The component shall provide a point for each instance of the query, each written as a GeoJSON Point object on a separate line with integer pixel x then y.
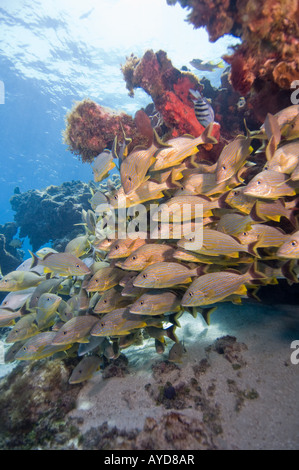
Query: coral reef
{"type": "Point", "coordinates": [10, 253]}
{"type": "Point", "coordinates": [266, 63]}
{"type": "Point", "coordinates": [50, 215]}
{"type": "Point", "coordinates": [91, 128]}
{"type": "Point", "coordinates": [169, 90]}
{"type": "Point", "coordinates": [34, 401]}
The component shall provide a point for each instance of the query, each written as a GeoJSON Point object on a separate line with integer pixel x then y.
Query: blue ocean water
{"type": "Point", "coordinates": [53, 54]}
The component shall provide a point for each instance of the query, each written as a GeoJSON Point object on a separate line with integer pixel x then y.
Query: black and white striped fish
{"type": "Point", "coordinates": [203, 110]}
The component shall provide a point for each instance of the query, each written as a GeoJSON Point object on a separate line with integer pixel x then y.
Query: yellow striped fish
{"type": "Point", "coordinates": [164, 274]}
{"type": "Point", "coordinates": [64, 264]}
{"type": "Point", "coordinates": [290, 248]}
{"type": "Point", "coordinates": [124, 247]}
{"type": "Point", "coordinates": [8, 316]}
{"type": "Point", "coordinates": [39, 347]}
{"type": "Point", "coordinates": [134, 168]}
{"type": "Point", "coordinates": [181, 149]}
{"type": "Point", "coordinates": [102, 164]}
{"type": "Point", "coordinates": [24, 329]}
{"type": "Point", "coordinates": [85, 369]}
{"type": "Point", "coordinates": [110, 300]}
{"type": "Point", "coordinates": [262, 236]}
{"type": "Point", "coordinates": [156, 302]}
{"type": "Point", "coordinates": [19, 280]}
{"type": "Point", "coordinates": [233, 224]}
{"type": "Point", "coordinates": [146, 255]}
{"type": "Point", "coordinates": [232, 158]}
{"type": "Point", "coordinates": [215, 287]}
{"type": "Point", "coordinates": [216, 243]}
{"type": "Point", "coordinates": [184, 208]}
{"type": "Point", "coordinates": [119, 322]}
{"type": "Point", "coordinates": [104, 279]}
{"type": "Point", "coordinates": [75, 330]}
{"type": "Point", "coordinates": [270, 184]}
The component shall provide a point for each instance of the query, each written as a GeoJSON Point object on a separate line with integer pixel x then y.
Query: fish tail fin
{"type": "Point", "coordinates": [35, 259]}
{"type": "Point", "coordinates": [170, 331]}
{"type": "Point", "coordinates": [173, 318]}
{"type": "Point", "coordinates": [207, 137]}
{"type": "Point", "coordinates": [292, 217]}
{"type": "Point", "coordinates": [254, 273]}
{"type": "Point", "coordinates": [252, 248]}
{"type": "Point", "coordinates": [287, 270]}
{"type": "Point", "coordinates": [158, 142]}
{"type": "Point", "coordinates": [206, 314]}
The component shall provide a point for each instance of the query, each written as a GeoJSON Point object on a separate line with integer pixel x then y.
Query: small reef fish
{"type": "Point", "coordinates": [262, 236]}
{"type": "Point", "coordinates": [238, 200]}
{"type": "Point", "coordinates": [156, 302]}
{"type": "Point", "coordinates": [46, 286]}
{"type": "Point", "coordinates": [147, 191]}
{"type": "Point", "coordinates": [148, 254]}
{"type": "Point", "coordinates": [119, 322]}
{"type": "Point", "coordinates": [39, 347]}
{"type": "Point", "coordinates": [94, 343]}
{"type": "Point", "coordinates": [215, 287]}
{"type": "Point", "coordinates": [232, 158]}
{"type": "Point", "coordinates": [160, 333]}
{"type": "Point", "coordinates": [102, 164]}
{"type": "Point", "coordinates": [24, 329]}
{"type": "Point", "coordinates": [85, 369]}
{"type": "Point", "coordinates": [184, 208]}
{"type": "Point", "coordinates": [285, 158]}
{"type": "Point", "coordinates": [8, 316]}
{"type": "Point", "coordinates": [233, 224]}
{"type": "Point", "coordinates": [291, 130]}
{"type": "Point", "coordinates": [176, 352]}
{"type": "Point", "coordinates": [78, 246]}
{"type": "Point", "coordinates": [264, 210]}
{"type": "Point", "coordinates": [203, 110]}
{"type": "Point", "coordinates": [270, 184]}
{"type": "Point", "coordinates": [175, 154]}
{"type": "Point", "coordinates": [75, 330]}
{"type": "Point", "coordinates": [15, 300]}
{"type": "Point", "coordinates": [46, 309]}
{"type": "Point", "coordinates": [134, 168]}
{"type": "Point", "coordinates": [290, 248]}
{"type": "Point", "coordinates": [64, 264]}
{"type": "Point", "coordinates": [209, 66]}
{"type": "Point", "coordinates": [216, 243]}
{"type": "Point", "coordinates": [19, 280]}
{"type": "Point", "coordinates": [104, 279]}
{"type": "Point", "coordinates": [124, 247]}
{"type": "Point", "coordinates": [110, 300]}
{"type": "Point", "coordinates": [164, 274]}
{"type": "Point", "coordinates": [97, 198]}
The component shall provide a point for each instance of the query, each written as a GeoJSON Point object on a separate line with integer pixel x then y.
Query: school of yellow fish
{"type": "Point", "coordinates": [106, 292]}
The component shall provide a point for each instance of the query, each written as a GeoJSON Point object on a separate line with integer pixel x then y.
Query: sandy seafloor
{"type": "Point", "coordinates": [266, 419]}
{"type": "Point", "coordinates": [243, 396]}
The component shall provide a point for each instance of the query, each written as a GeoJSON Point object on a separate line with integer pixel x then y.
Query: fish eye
{"type": "Point", "coordinates": [223, 167]}
{"type": "Point", "coordinates": [102, 324]}
{"type": "Point", "coordinates": [191, 293]}
{"type": "Point", "coordinates": [258, 182]}
{"type": "Point", "coordinates": [245, 233]}
{"type": "Point", "coordinates": [24, 348]}
{"type": "Point", "coordinates": [77, 265]}
{"type": "Point", "coordinates": [144, 276]}
{"type": "Point", "coordinates": [141, 302]}
{"type": "Point", "coordinates": [116, 247]}
{"type": "Point", "coordinates": [235, 193]}
{"type": "Point", "coordinates": [294, 243]}
{"type": "Point", "coordinates": [115, 197]}
{"type": "Point", "coordinates": [104, 301]}
{"type": "Point", "coordinates": [129, 178]}
{"type": "Point", "coordinates": [65, 332]}
{"type": "Point", "coordinates": [134, 257]}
